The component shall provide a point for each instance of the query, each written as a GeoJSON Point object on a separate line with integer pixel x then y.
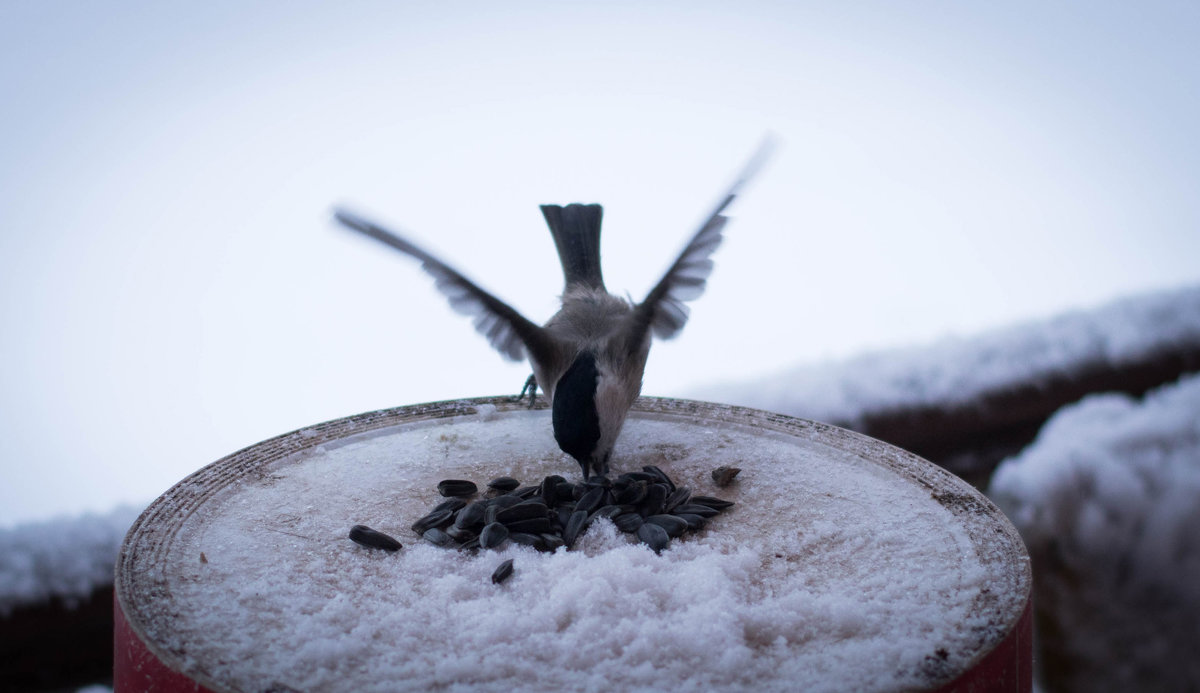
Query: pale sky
{"type": "Point", "coordinates": [174, 290]}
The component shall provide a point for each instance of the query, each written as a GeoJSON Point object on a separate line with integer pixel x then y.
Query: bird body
{"type": "Point", "coordinates": [590, 356]}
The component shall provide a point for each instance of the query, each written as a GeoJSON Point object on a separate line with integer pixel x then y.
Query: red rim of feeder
{"type": "Point", "coordinates": [1004, 651]}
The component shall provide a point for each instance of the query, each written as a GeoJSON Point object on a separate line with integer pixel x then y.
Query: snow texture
{"type": "Point", "coordinates": [65, 558]}
{"type": "Point", "coordinates": [830, 573]}
{"type": "Point", "coordinates": [1108, 501]}
{"type": "Point", "coordinates": [956, 371]}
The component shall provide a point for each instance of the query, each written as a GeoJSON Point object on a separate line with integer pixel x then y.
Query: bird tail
{"type": "Point", "coordinates": [576, 231]}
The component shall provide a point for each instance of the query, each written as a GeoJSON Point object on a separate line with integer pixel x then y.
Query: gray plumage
{"type": "Point", "coordinates": [590, 356]}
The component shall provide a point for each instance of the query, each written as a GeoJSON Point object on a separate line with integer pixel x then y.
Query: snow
{"type": "Point", "coordinates": [957, 371]}
{"type": "Point", "coordinates": [832, 572]}
{"type": "Point", "coordinates": [66, 558]}
{"type": "Point", "coordinates": [1108, 500]}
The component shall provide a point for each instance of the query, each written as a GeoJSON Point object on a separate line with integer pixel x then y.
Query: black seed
{"type": "Point", "coordinates": [551, 542]}
{"type": "Point", "coordinates": [577, 491]}
{"type": "Point", "coordinates": [632, 494]}
{"type": "Point", "coordinates": [677, 498]}
{"type": "Point", "coordinates": [493, 535]}
{"type": "Point", "coordinates": [373, 539]}
{"type": "Point", "coordinates": [652, 504]}
{"type": "Point", "coordinates": [522, 511]}
{"type": "Point", "coordinates": [437, 518]}
{"type": "Point", "coordinates": [609, 511]}
{"type": "Point", "coordinates": [534, 525]}
{"type": "Point", "coordinates": [638, 476]}
{"type": "Point", "coordinates": [437, 537]}
{"type": "Point", "coordinates": [471, 515]}
{"type": "Point", "coordinates": [675, 526]}
{"type": "Point", "coordinates": [505, 501]}
{"type": "Point", "coordinates": [549, 488]}
{"type": "Point", "coordinates": [597, 480]}
{"type": "Point", "coordinates": [711, 502]}
{"type": "Point", "coordinates": [628, 522]}
{"type": "Point", "coordinates": [503, 572]}
{"type": "Point", "coordinates": [525, 539]}
{"type": "Point", "coordinates": [694, 522]}
{"type": "Point", "coordinates": [489, 515]}
{"type": "Point", "coordinates": [662, 476]}
{"type": "Point", "coordinates": [469, 545]}
{"type": "Point", "coordinates": [563, 514]}
{"type": "Point", "coordinates": [591, 500]}
{"type": "Point", "coordinates": [574, 527]}
{"type": "Point", "coordinates": [565, 493]}
{"type": "Point", "coordinates": [653, 536]}
{"type": "Point", "coordinates": [504, 484]}
{"type": "Point", "coordinates": [723, 476]}
{"type": "Point", "coordinates": [525, 492]}
{"type": "Point", "coordinates": [696, 509]}
{"type": "Point", "coordinates": [456, 487]}
{"type": "Point", "coordinates": [460, 534]}
{"type": "Point", "coordinates": [451, 504]}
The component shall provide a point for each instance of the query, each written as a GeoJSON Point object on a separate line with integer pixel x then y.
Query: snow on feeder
{"type": "Point", "coordinates": [845, 564]}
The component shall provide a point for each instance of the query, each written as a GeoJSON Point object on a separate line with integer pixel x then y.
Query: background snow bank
{"type": "Point", "coordinates": [1108, 502]}
{"type": "Point", "coordinates": [66, 558]}
{"type": "Point", "coordinates": [956, 371]}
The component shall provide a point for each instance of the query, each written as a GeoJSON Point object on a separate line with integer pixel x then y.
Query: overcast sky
{"type": "Point", "coordinates": [173, 288]}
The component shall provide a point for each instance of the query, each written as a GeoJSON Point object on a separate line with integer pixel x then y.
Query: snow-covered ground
{"type": "Point", "coordinates": [1108, 501]}
{"type": "Point", "coordinates": [956, 371]}
{"type": "Point", "coordinates": [65, 557]}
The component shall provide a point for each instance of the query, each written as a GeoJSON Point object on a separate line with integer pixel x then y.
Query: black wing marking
{"type": "Point", "coordinates": [663, 310]}
{"type": "Point", "coordinates": [506, 329]}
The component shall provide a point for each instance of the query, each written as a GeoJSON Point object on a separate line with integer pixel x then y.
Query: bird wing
{"type": "Point", "coordinates": [663, 309]}
{"type": "Point", "coordinates": [506, 330]}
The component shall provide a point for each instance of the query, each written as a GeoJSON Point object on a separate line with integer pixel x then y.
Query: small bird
{"type": "Point", "coordinates": [591, 355]}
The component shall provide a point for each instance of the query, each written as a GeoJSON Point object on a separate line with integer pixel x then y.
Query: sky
{"type": "Point", "coordinates": [173, 288]}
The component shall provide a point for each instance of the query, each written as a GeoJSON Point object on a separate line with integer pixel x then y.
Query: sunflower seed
{"type": "Point", "coordinates": [631, 494]}
{"type": "Point", "coordinates": [694, 522]}
{"type": "Point", "coordinates": [574, 527]}
{"type": "Point", "coordinates": [524, 539]}
{"type": "Point", "coordinates": [652, 504]}
{"type": "Point", "coordinates": [534, 525]}
{"type": "Point", "coordinates": [503, 572]}
{"type": "Point", "coordinates": [460, 534]}
{"type": "Point", "coordinates": [591, 500]}
{"type": "Point", "coordinates": [696, 509]}
{"type": "Point", "coordinates": [506, 501]}
{"type": "Point", "coordinates": [677, 498]}
{"type": "Point", "coordinates": [522, 511]}
{"type": "Point", "coordinates": [437, 537]}
{"type": "Point", "coordinates": [457, 487]}
{"type": "Point", "coordinates": [471, 515]}
{"type": "Point", "coordinates": [437, 518]}
{"type": "Point", "coordinates": [609, 511]}
{"type": "Point", "coordinates": [653, 536]}
{"type": "Point", "coordinates": [662, 476]}
{"type": "Point", "coordinates": [493, 535]}
{"type": "Point", "coordinates": [628, 522]}
{"type": "Point", "coordinates": [373, 539]}
{"type": "Point", "coordinates": [451, 504]}
{"type": "Point", "coordinates": [712, 502]}
{"type": "Point", "coordinates": [674, 525]}
{"type": "Point", "coordinates": [504, 484]}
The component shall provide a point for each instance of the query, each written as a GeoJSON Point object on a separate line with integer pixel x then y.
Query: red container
{"type": "Point", "coordinates": [231, 580]}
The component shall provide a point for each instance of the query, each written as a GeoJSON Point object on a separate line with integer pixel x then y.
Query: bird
{"type": "Point", "coordinates": [590, 357]}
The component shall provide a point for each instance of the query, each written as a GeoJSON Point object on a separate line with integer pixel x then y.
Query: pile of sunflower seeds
{"type": "Point", "coordinates": [557, 512]}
